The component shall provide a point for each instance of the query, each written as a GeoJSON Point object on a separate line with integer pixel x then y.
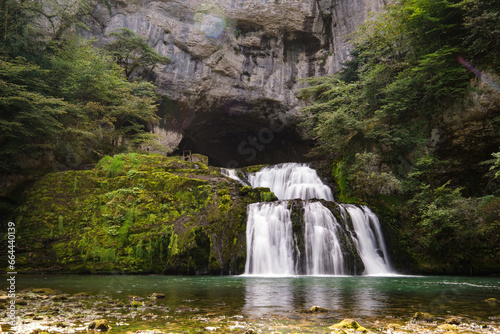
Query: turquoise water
{"type": "Point", "coordinates": [259, 296]}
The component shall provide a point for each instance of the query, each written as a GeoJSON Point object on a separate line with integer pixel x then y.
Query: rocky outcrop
{"type": "Point", "coordinates": [135, 213]}
{"type": "Point", "coordinates": [467, 134]}
{"type": "Point", "coordinates": [236, 67]}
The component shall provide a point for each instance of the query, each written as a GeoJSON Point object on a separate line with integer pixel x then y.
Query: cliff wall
{"type": "Point", "coordinates": [236, 67]}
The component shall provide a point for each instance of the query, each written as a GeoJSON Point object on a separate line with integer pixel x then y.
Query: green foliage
{"type": "Point", "coordinates": [495, 164]}
{"type": "Point", "coordinates": [446, 219]}
{"type": "Point", "coordinates": [406, 71]}
{"type": "Point", "coordinates": [134, 53]}
{"type": "Point", "coordinates": [79, 109]}
{"type": "Point", "coordinates": [368, 178]}
{"type": "Point", "coordinates": [403, 70]}
{"type": "Point", "coordinates": [66, 99]}
{"type": "Point", "coordinates": [30, 121]}
{"type": "Point", "coordinates": [30, 27]}
{"type": "Point", "coordinates": [482, 22]}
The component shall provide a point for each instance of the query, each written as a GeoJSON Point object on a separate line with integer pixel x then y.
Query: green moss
{"type": "Point", "coordinates": [135, 213]}
{"type": "Point", "coordinates": [253, 169]}
{"type": "Point", "coordinates": [268, 196]}
{"type": "Point", "coordinates": [346, 324]}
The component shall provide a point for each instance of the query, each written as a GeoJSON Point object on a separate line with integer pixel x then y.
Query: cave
{"type": "Point", "coordinates": [234, 139]}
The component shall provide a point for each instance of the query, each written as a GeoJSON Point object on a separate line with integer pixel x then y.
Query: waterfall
{"type": "Point", "coordinates": [317, 245]}
{"type": "Point", "coordinates": [290, 181]}
{"type": "Point", "coordinates": [369, 240]}
{"type": "Point", "coordinates": [323, 250]}
{"type": "Point", "coordinates": [269, 239]}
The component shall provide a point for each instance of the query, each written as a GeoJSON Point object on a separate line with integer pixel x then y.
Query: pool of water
{"type": "Point", "coordinates": [262, 299]}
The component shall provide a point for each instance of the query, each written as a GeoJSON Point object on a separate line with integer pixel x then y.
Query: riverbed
{"type": "Point", "coordinates": [242, 304]}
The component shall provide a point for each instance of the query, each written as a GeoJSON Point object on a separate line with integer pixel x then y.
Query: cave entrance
{"type": "Point", "coordinates": [239, 142]}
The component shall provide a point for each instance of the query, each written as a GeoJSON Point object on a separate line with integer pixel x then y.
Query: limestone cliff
{"type": "Point", "coordinates": [236, 67]}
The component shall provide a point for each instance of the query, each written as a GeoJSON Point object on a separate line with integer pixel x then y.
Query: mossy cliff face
{"type": "Point", "coordinates": [136, 214]}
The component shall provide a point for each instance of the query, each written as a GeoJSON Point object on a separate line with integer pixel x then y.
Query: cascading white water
{"type": "Point", "coordinates": [232, 174]}
{"type": "Point", "coordinates": [269, 239]}
{"type": "Point", "coordinates": [271, 246]}
{"type": "Point", "coordinates": [323, 250]}
{"type": "Point", "coordinates": [290, 181]}
{"type": "Point", "coordinates": [369, 240]}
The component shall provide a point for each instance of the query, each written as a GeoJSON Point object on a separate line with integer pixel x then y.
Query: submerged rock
{"type": "Point", "coordinates": [318, 309]}
{"type": "Point", "coordinates": [44, 291]}
{"type": "Point", "coordinates": [157, 295]}
{"type": "Point", "coordinates": [422, 316]}
{"type": "Point", "coordinates": [453, 321]}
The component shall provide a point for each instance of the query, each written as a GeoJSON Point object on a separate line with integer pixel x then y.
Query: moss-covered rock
{"type": "Point", "coordinates": [136, 213]}
{"type": "Point", "coordinates": [423, 316]}
{"type": "Point", "coordinates": [101, 325]}
{"type": "Point", "coordinates": [348, 324]}
{"type": "Point", "coordinates": [318, 309]}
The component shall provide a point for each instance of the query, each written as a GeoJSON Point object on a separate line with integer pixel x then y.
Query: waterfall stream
{"type": "Point", "coordinates": [318, 244]}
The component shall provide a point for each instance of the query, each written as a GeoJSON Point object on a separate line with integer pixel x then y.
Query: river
{"type": "Point", "coordinates": [229, 303]}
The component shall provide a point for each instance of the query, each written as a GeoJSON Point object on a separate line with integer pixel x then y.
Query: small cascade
{"type": "Point", "coordinates": [369, 240]}
{"type": "Point", "coordinates": [269, 239]}
{"type": "Point", "coordinates": [232, 174]}
{"type": "Point", "coordinates": [318, 244]}
{"type": "Point", "coordinates": [324, 254]}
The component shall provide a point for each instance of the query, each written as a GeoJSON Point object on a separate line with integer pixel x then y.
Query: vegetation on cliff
{"type": "Point", "coordinates": [409, 123]}
{"type": "Point", "coordinates": [65, 102]}
{"type": "Point", "coordinates": [136, 213]}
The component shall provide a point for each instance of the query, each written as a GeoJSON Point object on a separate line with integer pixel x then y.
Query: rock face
{"type": "Point", "coordinates": [236, 67]}
{"type": "Point", "coordinates": [468, 134]}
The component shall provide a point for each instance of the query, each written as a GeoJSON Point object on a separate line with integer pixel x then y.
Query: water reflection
{"type": "Point", "coordinates": [344, 295]}
{"type": "Point", "coordinates": [268, 295]}
{"type": "Point", "coordinates": [255, 297]}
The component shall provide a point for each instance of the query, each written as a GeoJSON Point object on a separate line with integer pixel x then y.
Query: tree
{"type": "Point", "coordinates": [112, 112]}
{"type": "Point", "coordinates": [30, 121]}
{"type": "Point", "coordinates": [134, 53]}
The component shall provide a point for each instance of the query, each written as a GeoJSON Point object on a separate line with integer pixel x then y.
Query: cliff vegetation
{"type": "Point", "coordinates": [410, 126]}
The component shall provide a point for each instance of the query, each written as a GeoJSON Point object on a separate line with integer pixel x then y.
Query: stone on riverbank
{"type": "Point", "coordinates": [99, 325]}
{"type": "Point", "coordinates": [448, 327]}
